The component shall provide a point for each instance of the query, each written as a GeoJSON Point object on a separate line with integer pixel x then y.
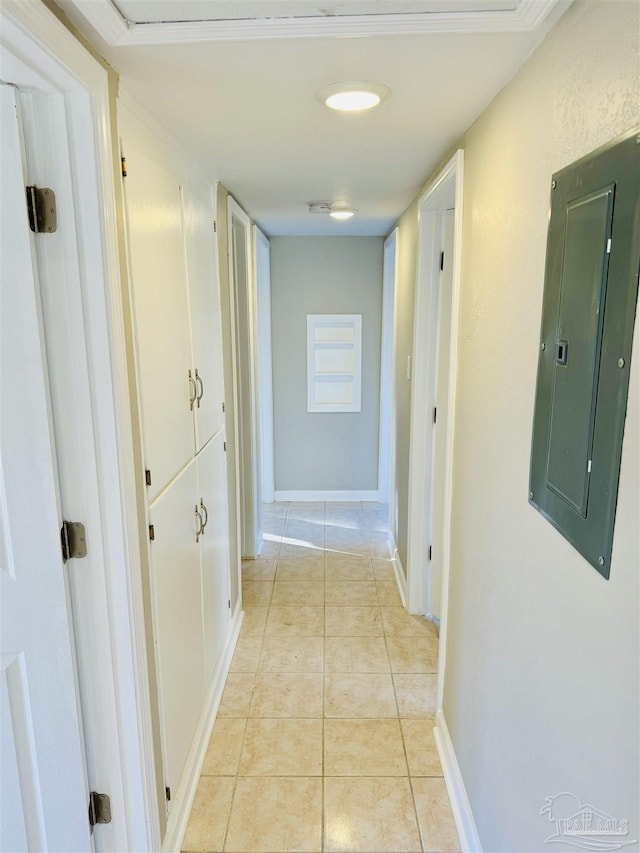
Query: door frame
{"type": "Point", "coordinates": [387, 433]}
{"type": "Point", "coordinates": [265, 367]}
{"type": "Point", "coordinates": [247, 458]}
{"type": "Point", "coordinates": [39, 52]}
{"type": "Point", "coordinates": [436, 199]}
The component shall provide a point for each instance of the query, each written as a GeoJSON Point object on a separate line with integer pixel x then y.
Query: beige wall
{"type": "Point", "coordinates": [541, 692]}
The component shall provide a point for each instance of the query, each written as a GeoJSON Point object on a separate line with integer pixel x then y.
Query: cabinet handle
{"type": "Point", "coordinates": [193, 391]}
{"type": "Point", "coordinates": [201, 383]}
{"type": "Point", "coordinates": [200, 527]}
{"type": "Point", "coordinates": [206, 514]}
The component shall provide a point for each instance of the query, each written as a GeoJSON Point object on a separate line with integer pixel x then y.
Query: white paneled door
{"type": "Point", "coordinates": [177, 602]}
{"type": "Point", "coordinates": [206, 329]}
{"type": "Point", "coordinates": [156, 250]}
{"type": "Point", "coordinates": [214, 550]}
{"type": "Point", "coordinates": [44, 792]}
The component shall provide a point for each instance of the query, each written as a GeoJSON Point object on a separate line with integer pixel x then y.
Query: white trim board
{"type": "Point", "coordinates": [103, 16]}
{"type": "Point", "coordinates": [386, 433]}
{"type": "Point", "coordinates": [262, 273]}
{"type": "Point", "coordinates": [460, 806]}
{"type": "Point", "coordinates": [315, 496]}
{"type": "Point", "coordinates": [398, 569]}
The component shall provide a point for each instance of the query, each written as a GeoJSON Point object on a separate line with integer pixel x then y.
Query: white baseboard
{"type": "Point", "coordinates": [401, 579]}
{"type": "Point", "coordinates": [460, 806]}
{"type": "Point", "coordinates": [311, 495]}
{"type": "Point", "coordinates": [184, 796]}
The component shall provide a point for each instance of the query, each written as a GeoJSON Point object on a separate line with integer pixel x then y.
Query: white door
{"type": "Point", "coordinates": [44, 793]}
{"type": "Point", "coordinates": [177, 613]}
{"type": "Point", "coordinates": [206, 328]}
{"type": "Point", "coordinates": [156, 250]}
{"type": "Point", "coordinates": [214, 551]}
{"type": "Point", "coordinates": [442, 404]}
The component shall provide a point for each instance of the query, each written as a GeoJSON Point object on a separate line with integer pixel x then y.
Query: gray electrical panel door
{"type": "Point", "coordinates": [591, 286]}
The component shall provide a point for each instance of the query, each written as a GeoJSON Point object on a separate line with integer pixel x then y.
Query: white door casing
{"type": "Point", "coordinates": [262, 254]}
{"type": "Point", "coordinates": [386, 437]}
{"type": "Point", "coordinates": [59, 75]}
{"type": "Point", "coordinates": [243, 328]}
{"type": "Point", "coordinates": [44, 791]}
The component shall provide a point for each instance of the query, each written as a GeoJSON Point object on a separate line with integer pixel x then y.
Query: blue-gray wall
{"type": "Point", "coordinates": [324, 275]}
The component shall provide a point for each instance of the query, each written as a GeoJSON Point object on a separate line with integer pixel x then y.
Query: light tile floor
{"type": "Point", "coordinates": [324, 735]}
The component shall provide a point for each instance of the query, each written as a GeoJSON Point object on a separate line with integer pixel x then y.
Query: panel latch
{"type": "Point", "coordinates": [562, 349]}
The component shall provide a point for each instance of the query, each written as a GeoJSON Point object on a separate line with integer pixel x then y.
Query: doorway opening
{"type": "Point", "coordinates": [434, 398]}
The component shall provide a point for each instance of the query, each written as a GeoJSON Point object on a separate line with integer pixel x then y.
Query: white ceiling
{"type": "Point", "coordinates": [246, 107]}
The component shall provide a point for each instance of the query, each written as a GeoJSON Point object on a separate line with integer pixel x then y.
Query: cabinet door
{"type": "Point", "coordinates": [177, 613]}
{"type": "Point", "coordinates": [214, 543]}
{"type": "Point", "coordinates": [156, 249]}
{"type": "Point", "coordinates": [206, 326]}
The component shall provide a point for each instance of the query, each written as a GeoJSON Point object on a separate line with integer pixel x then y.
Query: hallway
{"type": "Point", "coordinates": [323, 739]}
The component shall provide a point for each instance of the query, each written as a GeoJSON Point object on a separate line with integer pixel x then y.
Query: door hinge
{"type": "Point", "coordinates": [223, 407]}
{"type": "Point", "coordinates": [123, 164]}
{"type": "Point", "coordinates": [441, 260]}
{"type": "Point", "coordinates": [99, 809]}
{"type": "Point", "coordinates": [74, 540]}
{"type": "Point", "coordinates": [215, 226]}
{"type": "Point", "coordinates": [152, 532]}
{"type": "Point", "coordinates": [224, 445]}
{"type": "Point", "coordinates": [229, 604]}
{"type": "Point", "coordinates": [435, 414]}
{"type": "Point", "coordinates": [41, 206]}
{"type": "Point", "coordinates": [147, 476]}
{"type": "Point", "coordinates": [430, 552]}
{"type": "Point", "coordinates": [167, 793]}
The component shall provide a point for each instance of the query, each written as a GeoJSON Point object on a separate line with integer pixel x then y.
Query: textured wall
{"type": "Point", "coordinates": [541, 691]}
{"type": "Point", "coordinates": [324, 275]}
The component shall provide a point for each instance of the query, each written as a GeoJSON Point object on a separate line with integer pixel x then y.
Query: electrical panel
{"type": "Point", "coordinates": [589, 306]}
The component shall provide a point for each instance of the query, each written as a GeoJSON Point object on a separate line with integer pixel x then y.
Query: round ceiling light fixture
{"type": "Point", "coordinates": [353, 95]}
{"type": "Point", "coordinates": [342, 214]}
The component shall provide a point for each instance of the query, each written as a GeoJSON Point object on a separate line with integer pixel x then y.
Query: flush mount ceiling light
{"type": "Point", "coordinates": [353, 95]}
{"type": "Point", "coordinates": [328, 207]}
{"type": "Point", "coordinates": [342, 214]}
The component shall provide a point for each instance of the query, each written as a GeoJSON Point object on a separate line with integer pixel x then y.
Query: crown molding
{"type": "Point", "coordinates": [106, 20]}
